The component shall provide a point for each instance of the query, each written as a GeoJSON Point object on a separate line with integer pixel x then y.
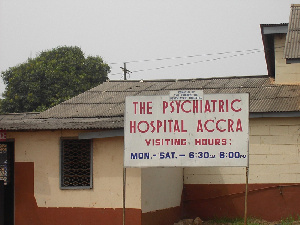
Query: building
{"type": "Point", "coordinates": [65, 165]}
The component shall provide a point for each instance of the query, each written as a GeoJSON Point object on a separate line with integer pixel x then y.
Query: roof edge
{"type": "Point", "coordinates": [191, 79]}
{"type": "Point", "coordinates": [274, 114]}
{"type": "Point", "coordinates": [274, 28]}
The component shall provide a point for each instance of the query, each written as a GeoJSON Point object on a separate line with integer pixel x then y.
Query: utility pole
{"type": "Point", "coordinates": [125, 71]}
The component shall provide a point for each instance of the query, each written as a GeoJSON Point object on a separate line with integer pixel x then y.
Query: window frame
{"type": "Point", "coordinates": [61, 165]}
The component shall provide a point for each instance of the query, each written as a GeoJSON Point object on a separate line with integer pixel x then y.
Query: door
{"type": "Point", "coordinates": [7, 183]}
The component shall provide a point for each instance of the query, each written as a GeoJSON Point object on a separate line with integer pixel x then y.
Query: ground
{"type": "Point", "coordinates": [250, 221]}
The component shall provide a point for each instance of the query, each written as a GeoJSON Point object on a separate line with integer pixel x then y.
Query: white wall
{"type": "Point", "coordinates": [161, 188]}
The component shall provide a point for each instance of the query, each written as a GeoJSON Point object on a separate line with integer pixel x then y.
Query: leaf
{"type": "Point", "coordinates": [52, 77]}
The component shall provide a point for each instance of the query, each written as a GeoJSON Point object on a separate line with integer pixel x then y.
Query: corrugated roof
{"type": "Point", "coordinates": [292, 45]}
{"type": "Point", "coordinates": [103, 106]}
{"type": "Point", "coordinates": [27, 123]}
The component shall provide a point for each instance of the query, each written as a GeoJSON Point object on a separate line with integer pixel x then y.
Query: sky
{"type": "Point", "coordinates": [158, 39]}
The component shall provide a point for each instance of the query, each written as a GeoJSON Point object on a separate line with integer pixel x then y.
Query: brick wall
{"type": "Point", "coordinates": [274, 156]}
{"type": "Point", "coordinates": [274, 177]}
{"type": "Point", "coordinates": [284, 73]}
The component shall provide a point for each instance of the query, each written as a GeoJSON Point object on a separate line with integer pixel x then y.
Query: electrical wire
{"type": "Point", "coordinates": [189, 56]}
{"type": "Point", "coordinates": [247, 52]}
{"type": "Point", "coordinates": [184, 64]}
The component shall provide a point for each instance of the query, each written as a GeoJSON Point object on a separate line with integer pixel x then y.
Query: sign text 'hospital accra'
{"type": "Point", "coordinates": [207, 131]}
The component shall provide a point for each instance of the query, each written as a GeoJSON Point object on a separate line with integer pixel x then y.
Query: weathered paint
{"type": "Point", "coordinates": [39, 198]}
{"type": "Point", "coordinates": [274, 180]}
{"type": "Point", "coordinates": [207, 192]}
{"type": "Point", "coordinates": [42, 148]}
{"type": "Point", "coordinates": [267, 201]}
{"type": "Point", "coordinates": [26, 209]}
{"type": "Point", "coordinates": [89, 216]}
{"type": "Point", "coordinates": [162, 217]}
{"type": "Point", "coordinates": [28, 212]}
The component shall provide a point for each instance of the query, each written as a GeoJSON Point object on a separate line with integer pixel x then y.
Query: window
{"type": "Point", "coordinates": [3, 164]}
{"type": "Point", "coordinates": [76, 164]}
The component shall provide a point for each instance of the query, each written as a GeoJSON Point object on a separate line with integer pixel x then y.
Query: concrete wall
{"type": "Point", "coordinates": [158, 195]}
{"type": "Point", "coordinates": [274, 178]}
{"type": "Point", "coordinates": [161, 188]}
{"type": "Point", "coordinates": [284, 73]}
{"type": "Point", "coordinates": [41, 149]}
{"type": "Point", "coordinates": [274, 156]}
{"type": "Point", "coordinates": [161, 195]}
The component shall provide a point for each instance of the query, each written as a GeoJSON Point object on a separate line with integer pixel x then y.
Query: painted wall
{"type": "Point", "coordinates": [284, 73]}
{"type": "Point", "coordinates": [155, 196]}
{"type": "Point", "coordinates": [273, 176]}
{"type": "Point", "coordinates": [41, 149]}
{"type": "Point", "coordinates": [274, 156]}
{"type": "Point", "coordinates": [161, 188]}
{"type": "Point", "coordinates": [161, 195]}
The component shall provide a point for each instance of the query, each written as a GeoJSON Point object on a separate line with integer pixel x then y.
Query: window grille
{"type": "Point", "coordinates": [76, 164]}
{"type": "Point", "coordinates": [4, 164]}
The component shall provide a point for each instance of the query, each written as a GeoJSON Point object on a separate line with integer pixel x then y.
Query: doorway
{"type": "Point", "coordinates": [7, 183]}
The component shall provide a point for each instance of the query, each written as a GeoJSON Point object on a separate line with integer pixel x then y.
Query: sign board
{"type": "Point", "coordinates": [186, 95]}
{"type": "Point", "coordinates": [210, 130]}
{"type": "Point", "coordinates": [2, 135]}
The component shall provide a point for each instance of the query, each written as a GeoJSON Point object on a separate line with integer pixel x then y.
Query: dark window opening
{"type": "Point", "coordinates": [76, 164]}
{"type": "Point", "coordinates": [4, 169]}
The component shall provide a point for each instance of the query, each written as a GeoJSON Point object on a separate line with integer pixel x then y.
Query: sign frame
{"type": "Point", "coordinates": [217, 111]}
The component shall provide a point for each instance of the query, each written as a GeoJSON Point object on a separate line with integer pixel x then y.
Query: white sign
{"type": "Point", "coordinates": [212, 131]}
{"type": "Point", "coordinates": [186, 95]}
{"type": "Point", "coordinates": [2, 135]}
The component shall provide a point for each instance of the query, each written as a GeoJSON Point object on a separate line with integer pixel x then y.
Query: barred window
{"type": "Point", "coordinates": [4, 170]}
{"type": "Point", "coordinates": [76, 164]}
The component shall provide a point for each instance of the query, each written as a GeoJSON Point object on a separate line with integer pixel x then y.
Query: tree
{"type": "Point", "coordinates": [52, 77]}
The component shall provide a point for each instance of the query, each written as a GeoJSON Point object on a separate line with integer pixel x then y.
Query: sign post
{"type": "Point", "coordinates": [124, 194]}
{"type": "Point", "coordinates": [187, 129]}
{"type": "Point", "coordinates": [212, 131]}
{"type": "Point", "coordinates": [246, 196]}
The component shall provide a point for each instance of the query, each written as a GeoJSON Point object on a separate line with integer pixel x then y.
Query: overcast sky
{"type": "Point", "coordinates": [136, 30]}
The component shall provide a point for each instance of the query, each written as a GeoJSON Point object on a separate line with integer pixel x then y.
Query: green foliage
{"type": "Point", "coordinates": [253, 221]}
{"type": "Point", "coordinates": [50, 78]}
{"type": "Point", "coordinates": [289, 220]}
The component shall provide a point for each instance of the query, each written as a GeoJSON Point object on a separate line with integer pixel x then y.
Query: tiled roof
{"type": "Point", "coordinates": [103, 106]}
{"type": "Point", "coordinates": [292, 45]}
